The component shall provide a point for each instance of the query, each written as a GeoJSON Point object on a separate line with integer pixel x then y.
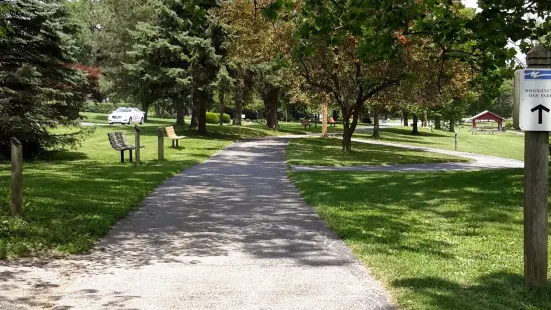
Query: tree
{"type": "Point", "coordinates": [38, 86]}
{"type": "Point", "coordinates": [115, 23]}
{"type": "Point", "coordinates": [256, 52]}
{"type": "Point", "coordinates": [224, 84]}
{"type": "Point", "coordinates": [503, 103]}
{"type": "Point", "coordinates": [178, 55]}
{"type": "Point", "coordinates": [91, 88]}
{"type": "Point", "coordinates": [82, 14]}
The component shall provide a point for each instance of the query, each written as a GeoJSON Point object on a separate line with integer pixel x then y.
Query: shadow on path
{"type": "Point", "coordinates": [231, 233]}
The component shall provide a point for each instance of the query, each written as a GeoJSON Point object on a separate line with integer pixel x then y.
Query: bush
{"type": "Point", "coordinates": [96, 107]}
{"type": "Point", "coordinates": [227, 118]}
{"type": "Point", "coordinates": [213, 118]}
{"type": "Point", "coordinates": [509, 125]}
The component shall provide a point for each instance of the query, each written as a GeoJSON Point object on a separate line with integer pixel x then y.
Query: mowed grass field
{"type": "Point", "coordinates": [445, 240]}
{"type": "Point", "coordinates": [328, 152]}
{"type": "Point", "coordinates": [503, 144]}
{"type": "Point", "coordinates": [72, 198]}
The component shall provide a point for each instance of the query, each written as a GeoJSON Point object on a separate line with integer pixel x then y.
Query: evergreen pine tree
{"type": "Point", "coordinates": [179, 55]}
{"type": "Point", "coordinates": [37, 84]}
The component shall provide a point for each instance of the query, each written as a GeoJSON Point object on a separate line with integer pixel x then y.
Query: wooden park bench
{"type": "Point", "coordinates": [173, 136]}
{"type": "Point", "coordinates": [305, 123]}
{"type": "Point", "coordinates": [331, 122]}
{"type": "Point", "coordinates": [120, 143]}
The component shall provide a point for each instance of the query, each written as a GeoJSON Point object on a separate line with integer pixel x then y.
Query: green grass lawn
{"type": "Point", "coordinates": [72, 198]}
{"type": "Point", "coordinates": [506, 145]}
{"type": "Point", "coordinates": [328, 152]}
{"type": "Point", "coordinates": [448, 240]}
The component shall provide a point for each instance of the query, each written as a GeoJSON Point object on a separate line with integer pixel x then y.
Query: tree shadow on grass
{"type": "Point", "coordinates": [437, 219]}
{"type": "Point", "coordinates": [498, 290]}
{"type": "Point", "coordinates": [64, 155]}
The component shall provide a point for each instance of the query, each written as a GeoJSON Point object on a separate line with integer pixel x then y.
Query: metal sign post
{"type": "Point", "coordinates": [532, 114]}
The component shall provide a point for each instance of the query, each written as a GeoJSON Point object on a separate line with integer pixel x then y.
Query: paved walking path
{"type": "Point", "coordinates": [231, 233]}
{"type": "Point", "coordinates": [480, 162]}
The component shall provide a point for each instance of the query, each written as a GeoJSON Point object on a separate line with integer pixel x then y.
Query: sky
{"type": "Point", "coordinates": [471, 3]}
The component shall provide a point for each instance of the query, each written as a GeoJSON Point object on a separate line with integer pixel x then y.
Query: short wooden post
{"type": "Point", "coordinates": [456, 142]}
{"type": "Point", "coordinates": [536, 174]}
{"type": "Point", "coordinates": [161, 144]}
{"type": "Point", "coordinates": [16, 176]}
{"type": "Point", "coordinates": [138, 145]}
{"type": "Point", "coordinates": [324, 120]}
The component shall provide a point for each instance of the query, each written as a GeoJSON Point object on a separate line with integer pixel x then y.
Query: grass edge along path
{"type": "Point", "coordinates": [328, 152]}
{"type": "Point", "coordinates": [447, 240]}
{"type": "Point", "coordinates": [74, 197]}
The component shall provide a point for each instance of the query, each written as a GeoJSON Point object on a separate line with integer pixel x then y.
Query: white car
{"type": "Point", "coordinates": [126, 116]}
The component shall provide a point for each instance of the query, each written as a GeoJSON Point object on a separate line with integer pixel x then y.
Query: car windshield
{"type": "Point", "coordinates": [123, 110]}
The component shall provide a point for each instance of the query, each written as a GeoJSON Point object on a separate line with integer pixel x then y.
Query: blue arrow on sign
{"type": "Point", "coordinates": [538, 74]}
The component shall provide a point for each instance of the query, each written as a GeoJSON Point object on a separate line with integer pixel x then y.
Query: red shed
{"type": "Point", "coordinates": [488, 116]}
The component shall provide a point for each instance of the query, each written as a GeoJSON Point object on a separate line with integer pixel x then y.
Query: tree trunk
{"type": "Point", "coordinates": [194, 122]}
{"type": "Point", "coordinates": [349, 128]}
{"type": "Point", "coordinates": [376, 132]}
{"type": "Point", "coordinates": [158, 111]}
{"type": "Point", "coordinates": [415, 130]}
{"type": "Point", "coordinates": [238, 103]}
{"type": "Point", "coordinates": [221, 101]}
{"type": "Point", "coordinates": [145, 108]}
{"type": "Point", "coordinates": [271, 98]}
{"type": "Point", "coordinates": [203, 96]}
{"type": "Point", "coordinates": [324, 120]}
{"type": "Point", "coordinates": [425, 121]}
{"type": "Point", "coordinates": [452, 126]}
{"type": "Point", "coordinates": [438, 122]}
{"type": "Point", "coordinates": [180, 113]}
{"type": "Point", "coordinates": [405, 115]}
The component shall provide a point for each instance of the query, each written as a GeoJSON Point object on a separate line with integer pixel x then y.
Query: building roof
{"type": "Point", "coordinates": [482, 114]}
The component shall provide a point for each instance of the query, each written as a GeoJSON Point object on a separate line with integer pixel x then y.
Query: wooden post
{"type": "Point", "coordinates": [161, 144]}
{"type": "Point", "coordinates": [324, 120]}
{"type": "Point", "coordinates": [456, 141]}
{"type": "Point", "coordinates": [536, 174]}
{"type": "Point", "coordinates": [137, 136]}
{"type": "Point", "coordinates": [16, 177]}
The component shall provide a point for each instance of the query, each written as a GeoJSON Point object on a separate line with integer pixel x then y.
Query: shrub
{"type": "Point", "coordinates": [96, 107]}
{"type": "Point", "coordinates": [227, 118]}
{"type": "Point", "coordinates": [5, 201]}
{"type": "Point", "coordinates": [213, 118]}
{"type": "Point", "coordinates": [509, 125]}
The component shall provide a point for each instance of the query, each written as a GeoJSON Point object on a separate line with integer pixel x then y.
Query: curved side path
{"type": "Point", "coordinates": [231, 233]}
{"type": "Point", "coordinates": [481, 162]}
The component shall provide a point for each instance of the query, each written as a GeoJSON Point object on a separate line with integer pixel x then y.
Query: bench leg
{"type": "Point", "coordinates": [172, 143]}
{"type": "Point", "coordinates": [177, 143]}
{"type": "Point", "coordinates": [122, 156]}
{"type": "Point", "coordinates": [130, 155]}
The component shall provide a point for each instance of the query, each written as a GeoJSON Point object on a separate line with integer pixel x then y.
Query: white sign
{"type": "Point", "coordinates": [535, 99]}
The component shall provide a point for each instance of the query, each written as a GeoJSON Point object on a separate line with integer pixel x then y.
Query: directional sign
{"type": "Point", "coordinates": [533, 87]}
